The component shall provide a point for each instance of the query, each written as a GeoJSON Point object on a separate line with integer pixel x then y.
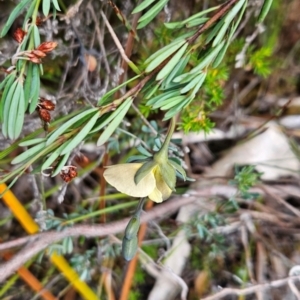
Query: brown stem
{"type": "Point", "coordinates": [220, 13]}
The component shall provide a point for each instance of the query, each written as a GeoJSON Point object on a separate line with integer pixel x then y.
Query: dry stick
{"type": "Point", "coordinates": [132, 265]}
{"type": "Point", "coordinates": [251, 289]}
{"type": "Point", "coordinates": [115, 38]}
{"type": "Point", "coordinates": [100, 230]}
{"type": "Point", "coordinates": [220, 13]}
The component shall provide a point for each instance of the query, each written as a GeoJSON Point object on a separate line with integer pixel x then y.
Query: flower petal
{"type": "Point", "coordinates": [162, 186]}
{"type": "Point", "coordinates": [122, 178]}
{"type": "Point", "coordinates": [156, 196]}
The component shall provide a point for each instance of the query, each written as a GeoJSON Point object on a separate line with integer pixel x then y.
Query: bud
{"type": "Point", "coordinates": [46, 104]}
{"type": "Point", "coordinates": [46, 46]}
{"type": "Point", "coordinates": [19, 34]}
{"type": "Point", "coordinates": [44, 115]}
{"type": "Point", "coordinates": [38, 53]}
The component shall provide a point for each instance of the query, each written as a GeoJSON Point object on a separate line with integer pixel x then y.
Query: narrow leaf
{"type": "Point", "coordinates": [151, 13]}
{"type": "Point", "coordinates": [172, 102]}
{"type": "Point", "coordinates": [35, 88]}
{"type": "Point", "coordinates": [61, 164]}
{"type": "Point", "coordinates": [264, 10]}
{"type": "Point", "coordinates": [46, 7]}
{"type": "Point", "coordinates": [29, 153]}
{"type": "Point", "coordinates": [193, 83]}
{"type": "Point", "coordinates": [158, 60]}
{"type": "Point", "coordinates": [6, 108]}
{"type": "Point", "coordinates": [162, 97]}
{"type": "Point", "coordinates": [55, 134]}
{"type": "Point", "coordinates": [114, 123]}
{"type": "Point", "coordinates": [103, 99]}
{"type": "Point", "coordinates": [81, 135]}
{"type": "Point", "coordinates": [32, 142]}
{"type": "Point", "coordinates": [142, 6]}
{"type": "Point", "coordinates": [20, 114]}
{"type": "Point", "coordinates": [56, 5]}
{"type": "Point", "coordinates": [233, 12]}
{"type": "Point", "coordinates": [13, 15]}
{"type": "Point", "coordinates": [167, 69]}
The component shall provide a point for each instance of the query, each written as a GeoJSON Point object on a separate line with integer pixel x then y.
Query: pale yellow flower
{"type": "Point", "coordinates": [151, 184]}
{"type": "Point", "coordinates": [154, 178]}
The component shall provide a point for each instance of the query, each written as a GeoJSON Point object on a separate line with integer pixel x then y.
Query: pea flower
{"type": "Point", "coordinates": [155, 178]}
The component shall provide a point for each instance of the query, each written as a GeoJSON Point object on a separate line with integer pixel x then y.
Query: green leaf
{"type": "Point", "coordinates": [46, 7]}
{"type": "Point", "coordinates": [196, 22]}
{"type": "Point", "coordinates": [174, 25]}
{"type": "Point", "coordinates": [55, 134]}
{"type": "Point", "coordinates": [193, 83]}
{"type": "Point", "coordinates": [264, 10]}
{"type": "Point", "coordinates": [56, 5]}
{"type": "Point", "coordinates": [32, 142]}
{"type": "Point", "coordinates": [61, 164]}
{"type": "Point", "coordinates": [103, 99]}
{"type": "Point", "coordinates": [13, 15]}
{"type": "Point", "coordinates": [29, 13]}
{"type": "Point", "coordinates": [143, 151]}
{"type": "Point", "coordinates": [167, 69]}
{"type": "Point", "coordinates": [52, 157]}
{"type": "Point", "coordinates": [166, 48]}
{"type": "Point", "coordinates": [108, 131]}
{"type": "Point", "coordinates": [176, 109]}
{"type": "Point", "coordinates": [142, 6]}
{"type": "Point", "coordinates": [172, 102]}
{"type": "Point", "coordinates": [28, 84]}
{"type": "Point", "coordinates": [178, 168]}
{"type": "Point", "coordinates": [220, 34]}
{"type": "Point", "coordinates": [151, 13]}
{"type": "Point", "coordinates": [207, 59]}
{"type": "Point", "coordinates": [20, 114]}
{"type": "Point", "coordinates": [221, 55]}
{"type": "Point", "coordinates": [151, 91]}
{"type": "Point", "coordinates": [233, 12]}
{"type": "Point", "coordinates": [7, 106]}
{"type": "Point", "coordinates": [159, 59]}
{"type": "Point", "coordinates": [8, 81]}
{"type": "Point", "coordinates": [81, 134]}
{"type": "Point", "coordinates": [214, 31]}
{"type": "Point", "coordinates": [162, 97]}
{"type": "Point", "coordinates": [200, 14]}
{"type": "Point", "coordinates": [35, 88]}
{"type": "Point", "coordinates": [178, 69]}
{"type": "Point", "coordinates": [36, 36]}
{"type": "Point", "coordinates": [28, 153]}
{"type": "Point", "coordinates": [198, 85]}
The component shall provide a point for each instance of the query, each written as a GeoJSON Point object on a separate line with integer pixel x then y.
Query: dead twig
{"type": "Point", "coordinates": [251, 289]}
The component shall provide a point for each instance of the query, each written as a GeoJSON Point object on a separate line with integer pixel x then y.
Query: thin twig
{"type": "Point", "coordinates": [251, 289]}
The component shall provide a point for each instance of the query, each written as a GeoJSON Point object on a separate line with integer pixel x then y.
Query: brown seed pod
{"type": "Point", "coordinates": [35, 60]}
{"type": "Point", "coordinates": [47, 46]}
{"type": "Point", "coordinates": [65, 177]}
{"type": "Point", "coordinates": [72, 172]}
{"type": "Point", "coordinates": [38, 53]}
{"type": "Point", "coordinates": [44, 115]}
{"type": "Point", "coordinates": [19, 34]}
{"type": "Point", "coordinates": [46, 104]}
{"type": "Point", "coordinates": [39, 21]}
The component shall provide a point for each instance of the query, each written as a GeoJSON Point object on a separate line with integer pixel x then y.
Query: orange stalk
{"type": "Point", "coordinates": [32, 227]}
